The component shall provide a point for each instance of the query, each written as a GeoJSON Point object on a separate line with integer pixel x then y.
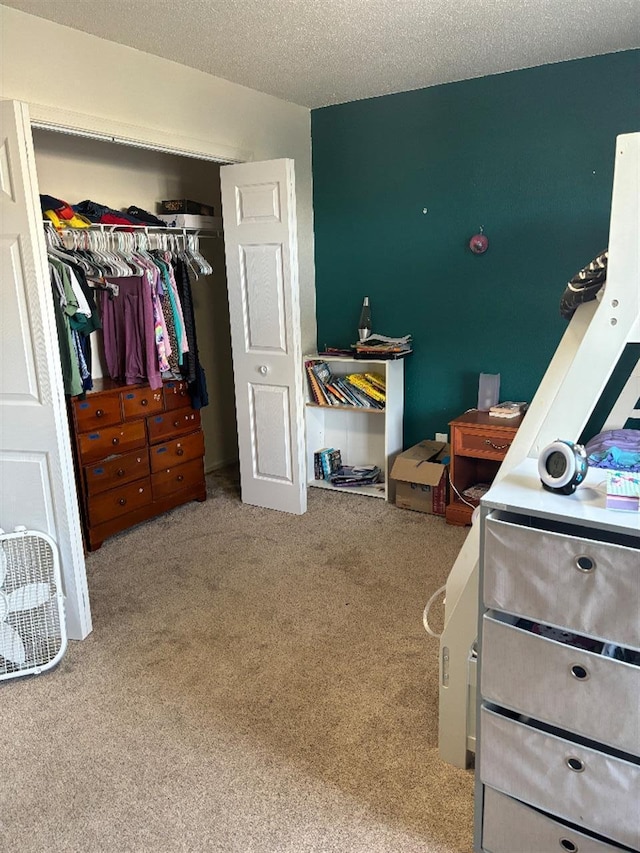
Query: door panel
{"type": "Point", "coordinates": [262, 280]}
{"type": "Point", "coordinates": [37, 487]}
{"type": "Point", "coordinates": [258, 201]}
{"type": "Point", "coordinates": [271, 430]}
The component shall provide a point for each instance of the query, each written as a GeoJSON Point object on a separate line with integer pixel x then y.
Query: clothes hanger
{"type": "Point", "coordinates": [194, 249]}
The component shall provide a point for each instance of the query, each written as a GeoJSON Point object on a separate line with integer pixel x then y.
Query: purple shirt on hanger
{"type": "Point", "coordinates": [129, 332]}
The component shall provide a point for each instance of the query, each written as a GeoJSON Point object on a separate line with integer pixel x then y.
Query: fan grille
{"type": "Point", "coordinates": [30, 560]}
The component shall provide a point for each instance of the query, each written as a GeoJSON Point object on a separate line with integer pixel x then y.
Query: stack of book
{"type": "Point", "coordinates": [326, 462]}
{"type": "Point", "coordinates": [380, 346]}
{"type": "Point", "coordinates": [352, 475]}
{"type": "Point", "coordinates": [509, 409]}
{"type": "Point", "coordinates": [362, 390]}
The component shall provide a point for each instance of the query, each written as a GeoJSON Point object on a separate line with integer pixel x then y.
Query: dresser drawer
{"type": "Point", "coordinates": [509, 826]}
{"type": "Point", "coordinates": [560, 684]}
{"type": "Point", "coordinates": [176, 478]}
{"type": "Point", "coordinates": [176, 394]}
{"type": "Point", "coordinates": [170, 424]}
{"type": "Point", "coordinates": [176, 452]}
{"type": "Point", "coordinates": [600, 795]}
{"type": "Point", "coordinates": [140, 402]}
{"type": "Point", "coordinates": [119, 501]}
{"type": "Point", "coordinates": [105, 442]}
{"type": "Point", "coordinates": [588, 587]}
{"type": "Point", "coordinates": [116, 471]}
{"type": "Point", "coordinates": [482, 443]}
{"type": "Point", "coordinates": [97, 411]}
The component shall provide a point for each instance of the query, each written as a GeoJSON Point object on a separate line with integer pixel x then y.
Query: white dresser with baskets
{"type": "Point", "coordinates": [558, 750]}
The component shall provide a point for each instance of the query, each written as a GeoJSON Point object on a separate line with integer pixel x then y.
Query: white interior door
{"type": "Point", "coordinates": [37, 486]}
{"type": "Point", "coordinates": [258, 201]}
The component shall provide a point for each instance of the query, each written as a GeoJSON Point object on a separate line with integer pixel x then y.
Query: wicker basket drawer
{"type": "Point", "coordinates": [116, 471]}
{"type": "Point", "coordinates": [115, 502]}
{"type": "Point", "coordinates": [170, 424]}
{"type": "Point", "coordinates": [560, 684]}
{"type": "Point", "coordinates": [509, 826]}
{"type": "Point", "coordinates": [589, 587]}
{"type": "Point", "coordinates": [105, 442]}
{"type": "Point", "coordinates": [589, 788]}
{"type": "Point", "coordinates": [139, 402]}
{"type": "Point", "coordinates": [176, 452]}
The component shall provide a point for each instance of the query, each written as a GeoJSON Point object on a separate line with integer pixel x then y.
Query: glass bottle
{"type": "Point", "coordinates": [364, 326]}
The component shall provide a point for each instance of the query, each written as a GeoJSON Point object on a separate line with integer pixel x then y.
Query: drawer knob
{"type": "Point", "coordinates": [495, 446]}
{"type": "Point", "coordinates": [180, 478]}
{"type": "Point", "coordinates": [144, 402]}
{"type": "Point", "coordinates": [99, 413]}
{"type": "Point", "coordinates": [176, 423]}
{"type": "Point", "coordinates": [115, 441]}
{"type": "Point", "coordinates": [180, 452]}
{"type": "Point", "coordinates": [585, 564]}
{"type": "Point", "coordinates": [575, 764]}
{"type": "Point", "coordinates": [120, 472]}
{"type": "Point", "coordinates": [122, 501]}
{"type": "Point", "coordinates": [568, 845]}
{"type": "Point", "coordinates": [580, 672]}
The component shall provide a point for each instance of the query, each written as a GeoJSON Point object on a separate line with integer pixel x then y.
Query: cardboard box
{"type": "Point", "coordinates": [422, 477]}
{"type": "Point", "coordinates": [185, 205]}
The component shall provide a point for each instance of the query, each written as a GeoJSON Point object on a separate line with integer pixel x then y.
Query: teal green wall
{"type": "Point", "coordinates": [529, 156]}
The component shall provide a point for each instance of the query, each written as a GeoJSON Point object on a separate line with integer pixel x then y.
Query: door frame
{"type": "Point", "coordinates": [89, 126]}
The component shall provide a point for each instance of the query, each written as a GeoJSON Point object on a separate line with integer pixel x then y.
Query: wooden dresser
{"type": "Point", "coordinates": [138, 453]}
{"type": "Point", "coordinates": [479, 443]}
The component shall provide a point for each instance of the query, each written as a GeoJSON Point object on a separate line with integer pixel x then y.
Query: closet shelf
{"type": "Point", "coordinates": [109, 228]}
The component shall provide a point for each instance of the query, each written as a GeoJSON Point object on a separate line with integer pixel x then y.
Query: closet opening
{"type": "Point", "coordinates": [75, 166]}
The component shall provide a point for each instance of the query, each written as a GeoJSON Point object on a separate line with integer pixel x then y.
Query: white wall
{"type": "Point", "coordinates": [84, 82]}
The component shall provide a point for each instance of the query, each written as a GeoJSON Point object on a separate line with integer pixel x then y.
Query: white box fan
{"type": "Point", "coordinates": [32, 628]}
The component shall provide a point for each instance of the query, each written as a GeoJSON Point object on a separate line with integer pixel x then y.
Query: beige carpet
{"type": "Point", "coordinates": [254, 682]}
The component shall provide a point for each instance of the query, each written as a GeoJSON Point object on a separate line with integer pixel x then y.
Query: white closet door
{"type": "Point", "coordinates": [37, 487]}
{"type": "Point", "coordinates": [258, 202]}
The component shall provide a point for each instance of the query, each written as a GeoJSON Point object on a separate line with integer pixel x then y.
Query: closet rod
{"type": "Point", "coordinates": [153, 229]}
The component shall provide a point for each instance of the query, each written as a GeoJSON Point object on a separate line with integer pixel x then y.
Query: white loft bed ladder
{"type": "Point", "coordinates": [571, 387]}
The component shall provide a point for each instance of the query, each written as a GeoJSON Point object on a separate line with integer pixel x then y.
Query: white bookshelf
{"type": "Point", "coordinates": [363, 436]}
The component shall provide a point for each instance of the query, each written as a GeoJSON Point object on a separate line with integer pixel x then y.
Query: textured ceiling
{"type": "Point", "coordinates": [320, 52]}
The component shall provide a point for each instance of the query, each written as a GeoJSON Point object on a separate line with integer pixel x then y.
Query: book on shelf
{"type": "Point", "coordinates": [363, 384]}
{"type": "Point", "coordinates": [476, 492]}
{"type": "Point", "coordinates": [377, 380]}
{"type": "Point", "coordinates": [360, 390]}
{"type": "Point", "coordinates": [326, 462]}
{"type": "Point", "coordinates": [314, 387]}
{"type": "Point", "coordinates": [508, 409]}
{"type": "Point", "coordinates": [354, 475]}
{"type": "Point", "coordinates": [382, 346]}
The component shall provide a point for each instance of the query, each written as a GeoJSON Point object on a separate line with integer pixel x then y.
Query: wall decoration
{"type": "Point", "coordinates": [479, 243]}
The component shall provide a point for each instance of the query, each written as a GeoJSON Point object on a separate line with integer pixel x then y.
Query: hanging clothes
{"type": "Point", "coordinates": [129, 332]}
{"type": "Point", "coordinates": [141, 299]}
{"type": "Point", "coordinates": [194, 372]}
{"type": "Point", "coordinates": [63, 310]}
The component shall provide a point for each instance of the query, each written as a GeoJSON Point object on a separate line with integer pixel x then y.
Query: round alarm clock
{"type": "Point", "coordinates": [562, 466]}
